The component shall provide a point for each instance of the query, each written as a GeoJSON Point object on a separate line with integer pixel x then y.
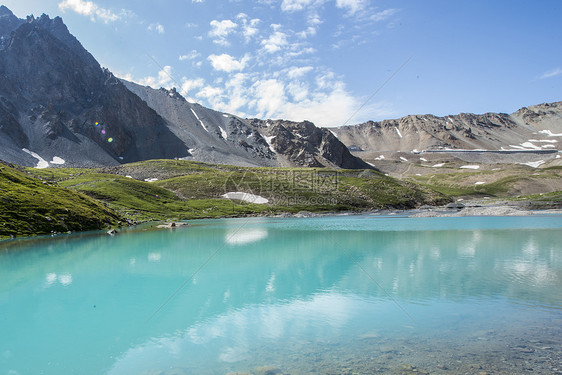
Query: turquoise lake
{"type": "Point", "coordinates": [356, 294]}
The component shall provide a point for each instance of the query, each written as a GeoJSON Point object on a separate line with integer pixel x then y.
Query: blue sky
{"type": "Point", "coordinates": [327, 61]}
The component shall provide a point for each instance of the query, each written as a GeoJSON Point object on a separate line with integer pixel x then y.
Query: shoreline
{"type": "Point", "coordinates": [465, 209]}
{"type": "Point", "coordinates": [469, 208]}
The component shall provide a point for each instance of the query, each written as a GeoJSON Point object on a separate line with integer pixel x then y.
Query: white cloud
{"type": "Point", "coordinates": [331, 108]}
{"type": "Point", "coordinates": [214, 95]}
{"type": "Point", "coordinates": [220, 30]}
{"type": "Point", "coordinates": [298, 90]}
{"type": "Point", "coordinates": [89, 8]}
{"type": "Point", "coordinates": [301, 51]}
{"type": "Point", "coordinates": [275, 42]}
{"type": "Point", "coordinates": [310, 31]}
{"type": "Point", "coordinates": [156, 27]}
{"type": "Point", "coordinates": [297, 72]}
{"type": "Point", "coordinates": [352, 6]}
{"type": "Point", "coordinates": [288, 94]}
{"type": "Point", "coordinates": [296, 5]}
{"type": "Point", "coordinates": [85, 8]}
{"type": "Point", "coordinates": [273, 98]}
{"type": "Point", "coordinates": [269, 98]}
{"type": "Point", "coordinates": [227, 63]}
{"type": "Point", "coordinates": [190, 84]}
{"type": "Point", "coordinates": [237, 94]}
{"type": "Point", "coordinates": [125, 76]}
{"type": "Point", "coordinates": [190, 56]}
{"type": "Point", "coordinates": [552, 73]}
{"type": "Point", "coordinates": [326, 80]}
{"type": "Point", "coordinates": [383, 15]}
{"type": "Point", "coordinates": [164, 79]}
{"type": "Point", "coordinates": [249, 26]}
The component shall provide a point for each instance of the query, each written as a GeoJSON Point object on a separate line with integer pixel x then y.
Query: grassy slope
{"type": "Point", "coordinates": [31, 206]}
{"type": "Point", "coordinates": [502, 184]}
{"type": "Point", "coordinates": [186, 190]}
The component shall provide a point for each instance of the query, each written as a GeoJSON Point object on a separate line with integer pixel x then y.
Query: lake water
{"type": "Point", "coordinates": [330, 295]}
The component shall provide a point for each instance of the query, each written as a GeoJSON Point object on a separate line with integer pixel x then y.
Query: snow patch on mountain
{"type": "Point", "coordinates": [57, 160]}
{"type": "Point", "coordinates": [42, 163]}
{"type": "Point", "coordinates": [223, 133]}
{"type": "Point", "coordinates": [246, 197]}
{"type": "Point", "coordinates": [268, 140]}
{"type": "Point", "coordinates": [534, 164]}
{"type": "Point", "coordinates": [470, 167]}
{"type": "Point", "coordinates": [198, 119]}
{"type": "Point", "coordinates": [550, 133]}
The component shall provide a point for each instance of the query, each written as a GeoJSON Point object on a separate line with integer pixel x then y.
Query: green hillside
{"type": "Point", "coordinates": [187, 190]}
{"type": "Point", "coordinates": [31, 206]}
{"type": "Point", "coordinates": [39, 201]}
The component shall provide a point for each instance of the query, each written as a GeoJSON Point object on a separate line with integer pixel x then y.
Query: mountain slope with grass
{"type": "Point", "coordinates": [34, 201]}
{"type": "Point", "coordinates": [29, 206]}
{"type": "Point", "coordinates": [179, 189]}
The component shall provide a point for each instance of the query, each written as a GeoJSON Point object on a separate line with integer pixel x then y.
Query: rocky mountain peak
{"type": "Point", "coordinates": [172, 93]}
{"type": "Point", "coordinates": [545, 116]}
{"type": "Point", "coordinates": [56, 100]}
{"type": "Point", "coordinates": [8, 23]}
{"type": "Point", "coordinates": [5, 12]}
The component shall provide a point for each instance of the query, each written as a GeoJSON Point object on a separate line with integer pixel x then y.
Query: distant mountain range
{"type": "Point", "coordinates": [534, 128]}
{"type": "Point", "coordinates": [58, 106]}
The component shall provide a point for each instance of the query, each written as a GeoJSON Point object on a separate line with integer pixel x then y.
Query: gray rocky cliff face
{"type": "Point", "coordinates": [223, 138]}
{"type": "Point", "coordinates": [303, 144]}
{"type": "Point", "coordinates": [8, 23]}
{"type": "Point", "coordinates": [210, 136]}
{"type": "Point", "coordinates": [56, 100]}
{"type": "Point", "coordinates": [490, 131]}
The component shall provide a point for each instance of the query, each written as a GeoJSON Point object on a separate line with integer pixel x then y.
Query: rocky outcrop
{"type": "Point", "coordinates": [546, 116]}
{"type": "Point", "coordinates": [305, 145]}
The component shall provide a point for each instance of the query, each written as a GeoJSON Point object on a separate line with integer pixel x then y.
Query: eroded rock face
{"type": "Point", "coordinates": [303, 144]}
{"type": "Point", "coordinates": [56, 100]}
